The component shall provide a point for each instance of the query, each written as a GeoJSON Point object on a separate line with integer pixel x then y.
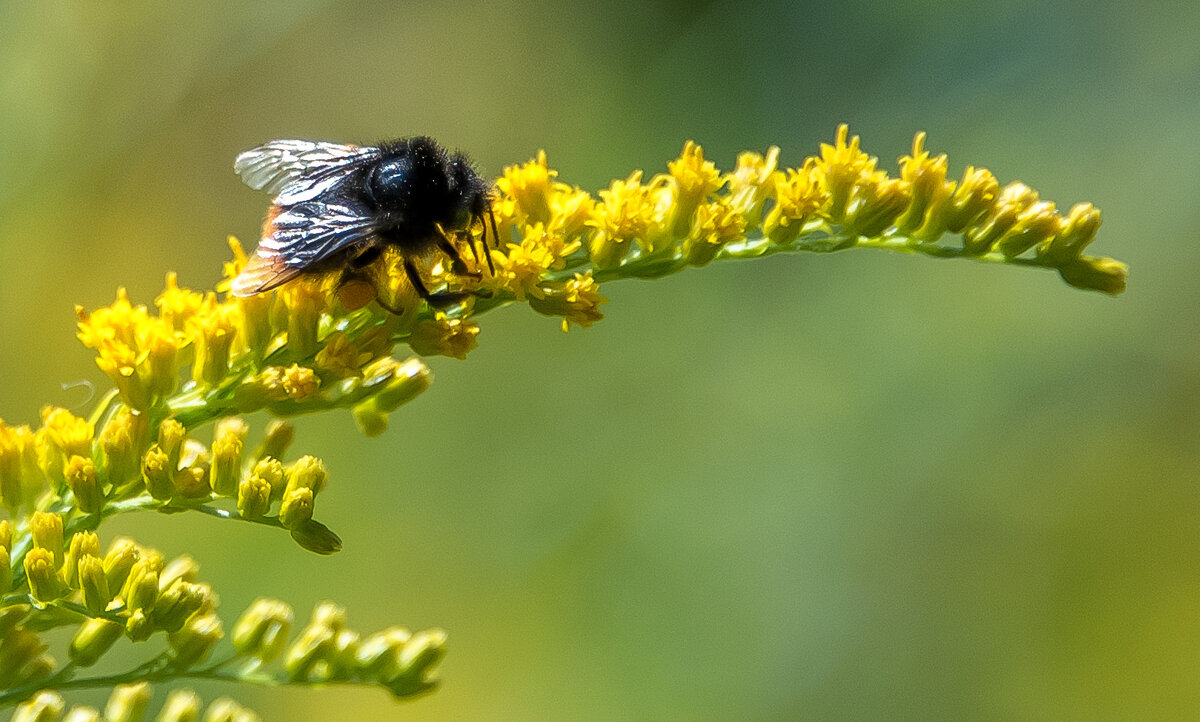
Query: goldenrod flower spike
{"type": "Point", "coordinates": [836, 200]}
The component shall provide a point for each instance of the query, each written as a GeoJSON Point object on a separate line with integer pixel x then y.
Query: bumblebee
{"type": "Point", "coordinates": [340, 207]}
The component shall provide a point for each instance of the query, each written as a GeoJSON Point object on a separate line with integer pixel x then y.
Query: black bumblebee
{"type": "Point", "coordinates": [339, 207]}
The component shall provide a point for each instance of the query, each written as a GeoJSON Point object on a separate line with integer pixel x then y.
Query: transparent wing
{"type": "Point", "coordinates": [297, 239]}
{"type": "Point", "coordinates": [303, 168]}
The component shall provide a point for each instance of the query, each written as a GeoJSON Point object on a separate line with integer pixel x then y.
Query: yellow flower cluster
{"type": "Point", "coordinates": [131, 591]}
{"type": "Point", "coordinates": [292, 351]}
{"type": "Point", "coordinates": [557, 243]}
{"type": "Point", "coordinates": [130, 467]}
{"type": "Point", "coordinates": [693, 214]}
{"type": "Point", "coordinates": [326, 650]}
{"type": "Point", "coordinates": [127, 591]}
{"type": "Point", "coordinates": [551, 221]}
{"type": "Point", "coordinates": [129, 703]}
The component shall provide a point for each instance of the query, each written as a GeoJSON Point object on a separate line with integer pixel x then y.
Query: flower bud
{"type": "Point", "coordinates": [1077, 231]}
{"type": "Point", "coordinates": [120, 439]}
{"type": "Point", "coordinates": [342, 659]}
{"type": "Point", "coordinates": [371, 421]}
{"type": "Point", "coordinates": [224, 709]}
{"type": "Point", "coordinates": [157, 474]}
{"type": "Point", "coordinates": [45, 706]}
{"type": "Point", "coordinates": [94, 584]}
{"type": "Point", "coordinates": [62, 435]}
{"type": "Point", "coordinates": [1096, 274]}
{"type": "Point", "coordinates": [276, 440]}
{"type": "Point", "coordinates": [300, 383]}
{"type": "Point", "coordinates": [5, 571]}
{"type": "Point", "coordinates": [213, 329]}
{"type": "Point", "coordinates": [18, 655]}
{"type": "Point", "coordinates": [141, 587]}
{"type": "Point", "coordinates": [94, 638]}
{"type": "Point", "coordinates": [415, 663]}
{"type": "Point", "coordinates": [875, 202]}
{"type": "Point", "coordinates": [11, 617]}
{"type": "Point", "coordinates": [195, 640]}
{"type": "Point", "coordinates": [84, 543]}
{"type": "Point", "coordinates": [192, 482]}
{"type": "Point", "coordinates": [83, 714]}
{"type": "Point", "coordinates": [263, 629]}
{"type": "Point", "coordinates": [127, 703]}
{"type": "Point", "coordinates": [180, 568]}
{"type": "Point", "coordinates": [456, 337]}
{"type": "Point", "coordinates": [38, 669]}
{"type": "Point", "coordinates": [328, 614]}
{"type": "Point", "coordinates": [178, 602]}
{"type": "Point", "coordinates": [297, 507]}
{"type": "Point", "coordinates": [408, 379]}
{"type": "Point", "coordinates": [969, 201]}
{"type": "Point", "coordinates": [1035, 225]}
{"type": "Point", "coordinates": [171, 436]}
{"type": "Point", "coordinates": [81, 479]}
{"type": "Point", "coordinates": [304, 302]}
{"type": "Point", "coordinates": [47, 532]}
{"type": "Point", "coordinates": [121, 556]}
{"type": "Point", "coordinates": [307, 472]}
{"type": "Point", "coordinates": [13, 452]}
{"type": "Point", "coordinates": [182, 705]}
{"type": "Point", "coordinates": [378, 654]}
{"type": "Point", "coordinates": [254, 497]}
{"type": "Point", "coordinates": [228, 441]}
{"type": "Point", "coordinates": [271, 471]}
{"type": "Point", "coordinates": [262, 389]}
{"type": "Point", "coordinates": [979, 237]}
{"type": "Point", "coordinates": [310, 656]}
{"type": "Point", "coordinates": [138, 626]}
{"type": "Point", "coordinates": [161, 344]}
{"type": "Point", "coordinates": [306, 657]}
{"type": "Point", "coordinates": [41, 571]}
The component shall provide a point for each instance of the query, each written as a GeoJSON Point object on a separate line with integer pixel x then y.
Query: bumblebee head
{"type": "Point", "coordinates": [474, 194]}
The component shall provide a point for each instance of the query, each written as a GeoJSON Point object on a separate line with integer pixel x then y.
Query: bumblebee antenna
{"type": "Point", "coordinates": [495, 236]}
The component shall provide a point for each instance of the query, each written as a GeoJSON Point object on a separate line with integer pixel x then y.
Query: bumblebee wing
{"type": "Point", "coordinates": [303, 168]}
{"type": "Point", "coordinates": [298, 238]}
{"type": "Point", "coordinates": [263, 272]}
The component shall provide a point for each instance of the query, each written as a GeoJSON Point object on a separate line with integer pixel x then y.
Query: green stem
{"type": "Point", "coordinates": [23, 542]}
{"type": "Point", "coordinates": [156, 671]}
{"type": "Point", "coordinates": [815, 240]}
{"type": "Point", "coordinates": [145, 502]}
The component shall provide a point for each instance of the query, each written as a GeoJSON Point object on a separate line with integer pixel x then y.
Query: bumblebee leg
{"type": "Point", "coordinates": [495, 239]}
{"type": "Point", "coordinates": [457, 264]}
{"type": "Point", "coordinates": [390, 309]}
{"type": "Point", "coordinates": [415, 279]}
{"type": "Point", "coordinates": [474, 250]}
{"type": "Point", "coordinates": [441, 299]}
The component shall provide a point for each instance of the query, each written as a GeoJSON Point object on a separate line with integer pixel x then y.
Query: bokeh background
{"type": "Point", "coordinates": [860, 486]}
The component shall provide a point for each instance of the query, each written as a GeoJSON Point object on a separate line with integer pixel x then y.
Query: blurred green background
{"type": "Point", "coordinates": [861, 486]}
